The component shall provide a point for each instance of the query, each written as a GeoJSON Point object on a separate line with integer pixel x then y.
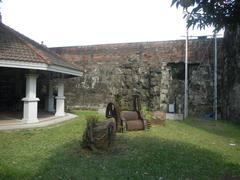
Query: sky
{"type": "Point", "coordinates": [88, 22]}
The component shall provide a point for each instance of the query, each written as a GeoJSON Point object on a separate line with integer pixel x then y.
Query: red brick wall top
{"type": "Point", "coordinates": [164, 51]}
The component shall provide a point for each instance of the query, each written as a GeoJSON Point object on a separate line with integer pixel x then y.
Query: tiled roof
{"type": "Point", "coordinates": [17, 47]}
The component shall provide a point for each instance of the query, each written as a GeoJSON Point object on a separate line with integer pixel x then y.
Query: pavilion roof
{"type": "Point", "coordinates": [17, 49]}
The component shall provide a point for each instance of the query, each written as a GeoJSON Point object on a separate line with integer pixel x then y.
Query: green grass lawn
{"type": "Point", "coordinates": [190, 149]}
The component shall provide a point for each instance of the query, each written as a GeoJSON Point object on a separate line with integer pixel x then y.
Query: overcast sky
{"type": "Point", "coordinates": [86, 22]}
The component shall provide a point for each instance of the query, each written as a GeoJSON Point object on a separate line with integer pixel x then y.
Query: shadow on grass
{"type": "Point", "coordinates": [220, 128]}
{"type": "Point", "coordinates": [136, 158]}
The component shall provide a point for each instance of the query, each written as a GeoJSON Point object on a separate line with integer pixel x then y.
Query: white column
{"type": "Point", "coordinates": [50, 98]}
{"type": "Point", "coordinates": [30, 105]}
{"type": "Point", "coordinates": [60, 99]}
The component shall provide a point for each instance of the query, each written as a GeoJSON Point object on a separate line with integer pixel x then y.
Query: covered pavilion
{"type": "Point", "coordinates": [31, 79]}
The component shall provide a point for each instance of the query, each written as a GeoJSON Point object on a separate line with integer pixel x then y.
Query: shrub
{"type": "Point", "coordinates": [147, 114]}
{"type": "Point", "coordinates": [92, 120]}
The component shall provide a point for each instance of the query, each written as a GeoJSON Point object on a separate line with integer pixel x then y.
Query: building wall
{"type": "Point", "coordinates": [154, 70]}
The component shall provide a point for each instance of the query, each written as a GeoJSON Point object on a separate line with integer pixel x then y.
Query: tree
{"type": "Point", "coordinates": [217, 13]}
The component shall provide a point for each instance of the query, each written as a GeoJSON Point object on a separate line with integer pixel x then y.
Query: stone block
{"type": "Point", "coordinates": [159, 115]}
{"type": "Point", "coordinates": [172, 116]}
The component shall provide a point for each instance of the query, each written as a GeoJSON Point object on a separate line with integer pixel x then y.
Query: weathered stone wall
{"type": "Point", "coordinates": [155, 70]}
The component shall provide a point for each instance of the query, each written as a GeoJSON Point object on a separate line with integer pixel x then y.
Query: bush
{"type": "Point", "coordinates": [92, 120]}
{"type": "Point", "coordinates": [147, 114]}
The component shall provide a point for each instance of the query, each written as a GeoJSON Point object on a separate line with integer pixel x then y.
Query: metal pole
{"type": "Point", "coordinates": [215, 105]}
{"type": "Point", "coordinates": [186, 79]}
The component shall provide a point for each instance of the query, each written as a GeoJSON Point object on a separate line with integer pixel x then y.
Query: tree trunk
{"type": "Point", "coordinates": [230, 76]}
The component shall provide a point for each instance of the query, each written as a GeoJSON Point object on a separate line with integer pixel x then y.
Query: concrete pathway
{"type": "Point", "coordinates": [47, 121]}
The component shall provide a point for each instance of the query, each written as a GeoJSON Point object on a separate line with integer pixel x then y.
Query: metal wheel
{"type": "Point", "coordinates": [111, 111]}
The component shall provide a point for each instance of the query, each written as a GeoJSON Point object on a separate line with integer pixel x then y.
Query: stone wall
{"type": "Point", "coordinates": [155, 70]}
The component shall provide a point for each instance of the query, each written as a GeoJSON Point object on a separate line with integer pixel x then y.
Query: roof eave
{"type": "Point", "coordinates": [64, 70]}
{"type": "Point", "coordinates": [39, 66]}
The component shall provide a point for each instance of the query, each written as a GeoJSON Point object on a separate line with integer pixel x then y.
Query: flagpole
{"type": "Point", "coordinates": [186, 79]}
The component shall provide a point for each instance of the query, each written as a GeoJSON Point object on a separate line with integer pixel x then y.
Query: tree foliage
{"type": "Point", "coordinates": [217, 13]}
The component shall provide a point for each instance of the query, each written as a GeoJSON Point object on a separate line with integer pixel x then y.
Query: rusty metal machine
{"type": "Point", "coordinates": [129, 120]}
{"type": "Point", "coordinates": [100, 135]}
